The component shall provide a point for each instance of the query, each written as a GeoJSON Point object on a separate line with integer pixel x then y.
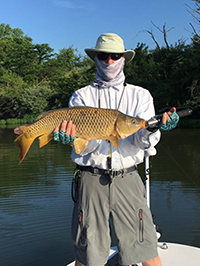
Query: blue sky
{"type": "Point", "coordinates": [62, 23]}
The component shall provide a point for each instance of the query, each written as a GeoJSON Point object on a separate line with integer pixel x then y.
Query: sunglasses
{"type": "Point", "coordinates": [104, 56]}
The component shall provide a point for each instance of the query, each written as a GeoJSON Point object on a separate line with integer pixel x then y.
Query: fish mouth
{"type": "Point", "coordinates": [143, 124]}
{"type": "Point", "coordinates": [140, 124]}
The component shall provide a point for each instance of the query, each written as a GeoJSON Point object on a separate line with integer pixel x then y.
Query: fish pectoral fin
{"type": "Point", "coordinates": [120, 134]}
{"type": "Point", "coordinates": [80, 145]}
{"type": "Point", "coordinates": [24, 145]}
{"type": "Point", "coordinates": [45, 139]}
{"type": "Point", "coordinates": [114, 141]}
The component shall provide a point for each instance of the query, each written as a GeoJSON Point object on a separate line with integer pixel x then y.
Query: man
{"type": "Point", "coordinates": [108, 183]}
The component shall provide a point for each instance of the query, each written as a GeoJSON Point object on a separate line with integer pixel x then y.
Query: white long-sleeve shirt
{"type": "Point", "coordinates": [131, 100]}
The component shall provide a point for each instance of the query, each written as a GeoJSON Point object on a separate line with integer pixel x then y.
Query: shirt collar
{"type": "Point", "coordinates": [117, 87]}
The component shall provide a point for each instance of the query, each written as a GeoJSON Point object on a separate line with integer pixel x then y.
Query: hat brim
{"type": "Point", "coordinates": [128, 54]}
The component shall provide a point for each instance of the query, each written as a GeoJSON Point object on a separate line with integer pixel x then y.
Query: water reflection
{"type": "Point", "coordinates": [176, 186]}
{"type": "Point", "coordinates": [35, 200]}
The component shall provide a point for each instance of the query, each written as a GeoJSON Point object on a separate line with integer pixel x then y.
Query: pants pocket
{"type": "Point", "coordinates": [82, 230]}
{"type": "Point", "coordinates": [141, 225]}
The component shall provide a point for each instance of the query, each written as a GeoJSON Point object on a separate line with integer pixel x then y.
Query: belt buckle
{"type": "Point", "coordinates": [115, 173]}
{"type": "Point", "coordinates": [118, 173]}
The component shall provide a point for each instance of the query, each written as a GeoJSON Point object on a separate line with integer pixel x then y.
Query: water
{"type": "Point", "coordinates": [36, 205]}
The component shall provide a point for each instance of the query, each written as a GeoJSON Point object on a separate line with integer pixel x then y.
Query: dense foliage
{"type": "Point", "coordinates": [34, 79]}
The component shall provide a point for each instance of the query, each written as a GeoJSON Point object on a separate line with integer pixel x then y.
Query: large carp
{"type": "Point", "coordinates": [91, 123]}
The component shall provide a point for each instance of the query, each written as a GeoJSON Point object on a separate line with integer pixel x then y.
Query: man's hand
{"type": "Point", "coordinates": [169, 120]}
{"type": "Point", "coordinates": [66, 134]}
{"type": "Point", "coordinates": [166, 116]}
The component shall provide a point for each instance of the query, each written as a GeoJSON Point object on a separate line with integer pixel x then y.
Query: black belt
{"type": "Point", "coordinates": [112, 173]}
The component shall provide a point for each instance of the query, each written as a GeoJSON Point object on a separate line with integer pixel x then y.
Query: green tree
{"type": "Point", "coordinates": [33, 101]}
{"type": "Point", "coordinates": [195, 13]}
{"type": "Point", "coordinates": [21, 56]}
{"type": "Point", "coordinates": [7, 31]}
{"type": "Point", "coordinates": [64, 85]}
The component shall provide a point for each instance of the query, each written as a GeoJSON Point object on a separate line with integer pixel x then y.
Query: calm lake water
{"type": "Point", "coordinates": [36, 205]}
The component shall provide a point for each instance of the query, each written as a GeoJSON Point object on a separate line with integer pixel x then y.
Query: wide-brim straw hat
{"type": "Point", "coordinates": [110, 43]}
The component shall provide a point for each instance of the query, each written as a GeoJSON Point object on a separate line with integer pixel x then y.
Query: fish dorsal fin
{"type": "Point", "coordinates": [51, 111]}
{"type": "Point", "coordinates": [80, 145]}
{"type": "Point", "coordinates": [43, 115]}
{"type": "Point", "coordinates": [45, 139]}
{"type": "Point", "coordinates": [114, 141]}
{"type": "Point", "coordinates": [80, 107]}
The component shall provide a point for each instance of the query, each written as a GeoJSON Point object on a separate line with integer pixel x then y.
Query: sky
{"type": "Point", "coordinates": [78, 23]}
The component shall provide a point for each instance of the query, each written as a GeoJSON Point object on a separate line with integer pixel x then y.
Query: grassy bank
{"type": "Point", "coordinates": [12, 122]}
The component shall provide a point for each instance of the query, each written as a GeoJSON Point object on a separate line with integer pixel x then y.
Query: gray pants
{"type": "Point", "coordinates": [123, 200]}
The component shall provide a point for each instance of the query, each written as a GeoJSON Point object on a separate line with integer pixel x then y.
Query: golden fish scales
{"type": "Point", "coordinates": [88, 121]}
{"type": "Point", "coordinates": [91, 123]}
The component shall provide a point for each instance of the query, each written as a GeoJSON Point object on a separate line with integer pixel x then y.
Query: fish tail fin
{"type": "Point", "coordinates": [24, 145]}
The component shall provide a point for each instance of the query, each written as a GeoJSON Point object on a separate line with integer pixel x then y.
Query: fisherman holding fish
{"type": "Point", "coordinates": [106, 183]}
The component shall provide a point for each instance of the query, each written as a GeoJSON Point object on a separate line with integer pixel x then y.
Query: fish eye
{"type": "Point", "coordinates": [133, 120]}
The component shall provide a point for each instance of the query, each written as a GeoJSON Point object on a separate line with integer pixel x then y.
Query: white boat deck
{"type": "Point", "coordinates": [172, 255]}
{"type": "Point", "coordinates": [179, 255]}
